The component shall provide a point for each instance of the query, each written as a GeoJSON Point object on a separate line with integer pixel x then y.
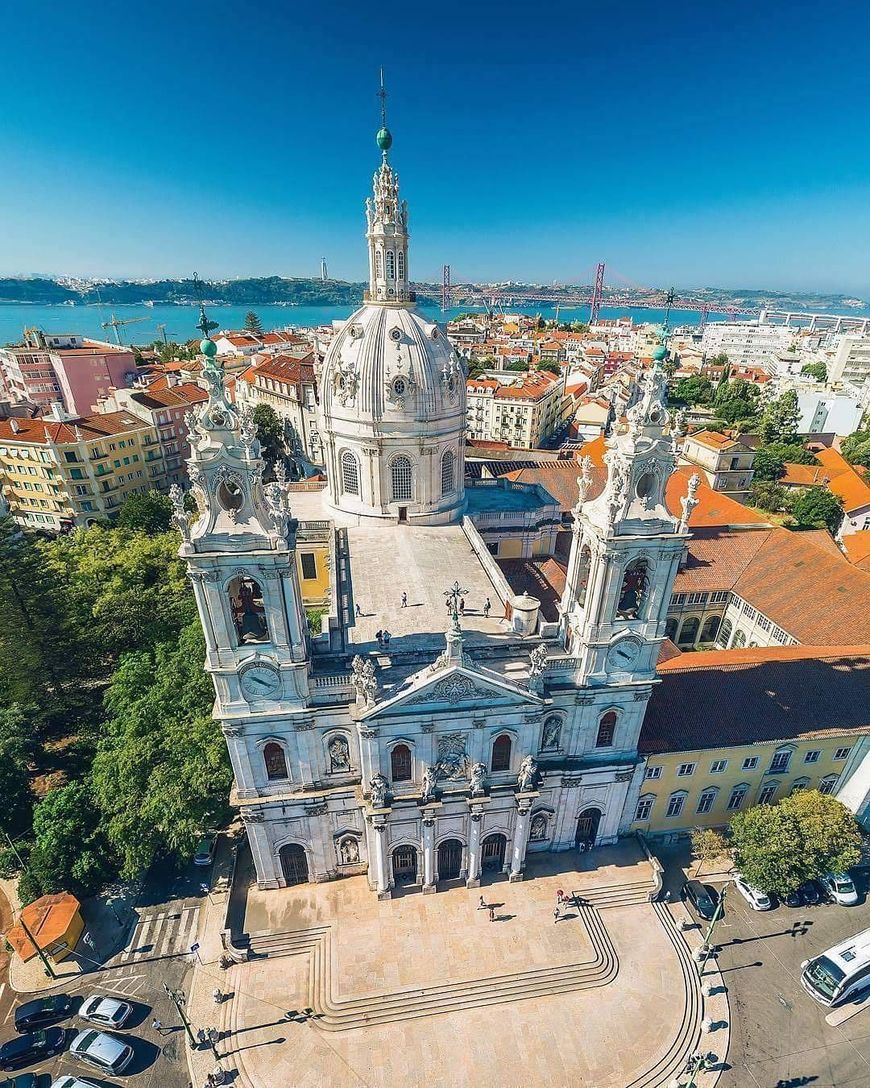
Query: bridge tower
{"type": "Point", "coordinates": [597, 292]}
{"type": "Point", "coordinates": [445, 288]}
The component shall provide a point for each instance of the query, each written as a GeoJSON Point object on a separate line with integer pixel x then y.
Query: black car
{"type": "Point", "coordinates": [32, 1048]}
{"type": "Point", "coordinates": [793, 899]}
{"type": "Point", "coordinates": [43, 1011]}
{"type": "Point", "coordinates": [23, 1080]}
{"type": "Point", "coordinates": [703, 898]}
{"type": "Point", "coordinates": [810, 893]}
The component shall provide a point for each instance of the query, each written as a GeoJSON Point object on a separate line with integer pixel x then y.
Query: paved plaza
{"type": "Point", "coordinates": [426, 990]}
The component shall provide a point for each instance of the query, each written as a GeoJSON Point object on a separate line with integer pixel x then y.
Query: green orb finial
{"type": "Point", "coordinates": [659, 353]}
{"type": "Point", "coordinates": [208, 347]}
{"type": "Point", "coordinates": [384, 139]}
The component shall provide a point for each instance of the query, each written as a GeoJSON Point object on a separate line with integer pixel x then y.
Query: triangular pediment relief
{"type": "Point", "coordinates": [454, 688]}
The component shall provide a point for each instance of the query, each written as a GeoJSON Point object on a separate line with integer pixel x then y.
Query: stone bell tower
{"type": "Point", "coordinates": [626, 549]}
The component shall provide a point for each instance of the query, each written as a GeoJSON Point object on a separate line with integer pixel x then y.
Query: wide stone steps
{"type": "Point", "coordinates": [619, 895]}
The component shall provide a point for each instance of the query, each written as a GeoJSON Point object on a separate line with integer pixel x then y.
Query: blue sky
{"type": "Point", "coordinates": [684, 143]}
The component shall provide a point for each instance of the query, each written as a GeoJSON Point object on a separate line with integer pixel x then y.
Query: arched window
{"type": "Point", "coordinates": [689, 631]}
{"type": "Point", "coordinates": [707, 800]}
{"type": "Point", "coordinates": [275, 760]}
{"type": "Point", "coordinates": [800, 784]}
{"type": "Point", "coordinates": [400, 763]}
{"type": "Point", "coordinates": [711, 629]}
{"type": "Point", "coordinates": [501, 753]}
{"type": "Point", "coordinates": [583, 575]}
{"type": "Point", "coordinates": [725, 633]}
{"type": "Point", "coordinates": [739, 640]}
{"type": "Point", "coordinates": [552, 734]}
{"type": "Point", "coordinates": [635, 584]}
{"type": "Point", "coordinates": [606, 730]}
{"type": "Point", "coordinates": [401, 263]}
{"type": "Point", "coordinates": [379, 264]}
{"type": "Point", "coordinates": [248, 610]}
{"type": "Point", "coordinates": [391, 265]}
{"type": "Point", "coordinates": [675, 803]}
{"type": "Point", "coordinates": [349, 474]}
{"type": "Point", "coordinates": [448, 472]}
{"type": "Point", "coordinates": [829, 783]}
{"type": "Point", "coordinates": [671, 629]}
{"type": "Point", "coordinates": [402, 479]}
{"type": "Point", "coordinates": [767, 793]}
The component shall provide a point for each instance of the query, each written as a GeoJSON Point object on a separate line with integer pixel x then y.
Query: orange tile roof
{"type": "Point", "coordinates": [714, 440]}
{"type": "Point", "coordinates": [534, 386]}
{"type": "Point", "coordinates": [845, 481]}
{"type": "Point", "coordinates": [286, 368]}
{"type": "Point", "coordinates": [40, 431]}
{"type": "Point", "coordinates": [160, 395]}
{"type": "Point", "coordinates": [804, 475]}
{"type": "Point", "coordinates": [48, 919]}
{"type": "Point", "coordinates": [857, 547]}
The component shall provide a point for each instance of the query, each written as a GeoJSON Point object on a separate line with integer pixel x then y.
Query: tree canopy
{"type": "Point", "coordinates": [736, 402]}
{"type": "Point", "coordinates": [818, 508]}
{"type": "Point", "coordinates": [778, 847]}
{"type": "Point", "coordinates": [694, 390]}
{"type": "Point", "coordinates": [252, 323]}
{"type": "Point", "coordinates": [270, 432]}
{"type": "Point", "coordinates": [16, 741]}
{"type": "Point", "coordinates": [770, 460]}
{"type": "Point", "coordinates": [768, 495]}
{"type": "Point", "coordinates": [815, 370]}
{"type": "Point", "coordinates": [149, 511]}
{"type": "Point", "coordinates": [856, 448]}
{"type": "Point", "coordinates": [779, 420]}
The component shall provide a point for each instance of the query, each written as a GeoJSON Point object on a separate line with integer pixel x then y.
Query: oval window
{"type": "Point", "coordinates": [230, 495]}
{"type": "Point", "coordinates": [646, 485]}
{"type": "Point", "coordinates": [400, 387]}
{"type": "Point", "coordinates": [395, 334]}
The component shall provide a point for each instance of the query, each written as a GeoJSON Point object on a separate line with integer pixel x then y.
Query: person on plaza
{"type": "Point", "coordinates": [379, 635]}
{"type": "Point", "coordinates": [461, 606]}
{"type": "Point", "coordinates": [157, 1025]}
{"type": "Point", "coordinates": [217, 995]}
{"type": "Point", "coordinates": [386, 636]}
{"type": "Point", "coordinates": [560, 897]}
{"type": "Point", "coordinates": [404, 600]}
{"type": "Point", "coordinates": [358, 610]}
{"type": "Point", "coordinates": [492, 914]}
{"type": "Point", "coordinates": [481, 905]}
{"type": "Point", "coordinates": [556, 915]}
{"type": "Point", "coordinates": [486, 607]}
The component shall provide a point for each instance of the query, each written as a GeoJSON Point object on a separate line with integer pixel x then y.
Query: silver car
{"type": "Point", "coordinates": [73, 1082]}
{"type": "Point", "coordinates": [102, 1051]}
{"type": "Point", "coordinates": [106, 1011]}
{"type": "Point", "coordinates": [756, 899]}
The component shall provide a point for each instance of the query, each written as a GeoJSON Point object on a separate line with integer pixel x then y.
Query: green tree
{"type": "Point", "coordinates": [69, 851]}
{"type": "Point", "coordinates": [778, 847]}
{"type": "Point", "coordinates": [770, 460]}
{"type": "Point", "coordinates": [708, 845]}
{"type": "Point", "coordinates": [517, 366]}
{"type": "Point", "coordinates": [815, 370]}
{"type": "Point", "coordinates": [779, 420]}
{"type": "Point", "coordinates": [856, 448]}
{"type": "Point", "coordinates": [149, 512]}
{"type": "Point", "coordinates": [767, 495]}
{"type": "Point", "coordinates": [16, 743]}
{"type": "Point", "coordinates": [551, 365]}
{"type": "Point", "coordinates": [818, 508]}
{"type": "Point", "coordinates": [694, 390]}
{"type": "Point", "coordinates": [252, 323]}
{"type": "Point", "coordinates": [161, 773]}
{"type": "Point", "coordinates": [736, 401]}
{"type": "Point", "coordinates": [270, 432]}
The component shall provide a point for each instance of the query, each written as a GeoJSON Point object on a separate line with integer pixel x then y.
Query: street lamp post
{"type": "Point", "coordinates": [717, 917]}
{"type": "Point", "coordinates": [179, 1000]}
{"type": "Point", "coordinates": [698, 1063]}
{"type": "Point", "coordinates": [49, 970]}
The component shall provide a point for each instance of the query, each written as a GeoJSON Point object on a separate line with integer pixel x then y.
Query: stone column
{"type": "Point", "coordinates": [428, 853]}
{"type": "Point", "coordinates": [240, 759]}
{"type": "Point", "coordinates": [521, 835]}
{"type": "Point", "coordinates": [382, 874]}
{"type": "Point", "coordinates": [368, 754]}
{"type": "Point", "coordinates": [265, 861]}
{"type": "Point", "coordinates": [473, 878]}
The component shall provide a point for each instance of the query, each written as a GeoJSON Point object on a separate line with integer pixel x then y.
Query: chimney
{"type": "Point", "coordinates": [14, 425]}
{"type": "Point", "coordinates": [58, 413]}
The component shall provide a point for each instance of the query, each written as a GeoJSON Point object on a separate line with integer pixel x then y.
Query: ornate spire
{"type": "Point", "coordinates": [453, 654]}
{"type": "Point", "coordinates": [387, 225]}
{"type": "Point", "coordinates": [689, 501]}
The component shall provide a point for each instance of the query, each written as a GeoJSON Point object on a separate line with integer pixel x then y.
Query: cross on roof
{"type": "Point", "coordinates": [453, 594]}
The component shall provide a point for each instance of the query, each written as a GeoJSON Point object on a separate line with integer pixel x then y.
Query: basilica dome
{"type": "Point", "coordinates": [392, 389]}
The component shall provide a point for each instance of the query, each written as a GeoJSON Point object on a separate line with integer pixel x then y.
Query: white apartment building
{"type": "Point", "coordinates": [520, 409]}
{"type": "Point", "coordinates": [288, 385]}
{"type": "Point", "coordinates": [829, 413]}
{"type": "Point", "coordinates": [851, 362]}
{"type": "Point", "coordinates": [746, 341]}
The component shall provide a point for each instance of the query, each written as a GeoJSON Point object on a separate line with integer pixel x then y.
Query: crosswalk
{"type": "Point", "coordinates": [167, 932]}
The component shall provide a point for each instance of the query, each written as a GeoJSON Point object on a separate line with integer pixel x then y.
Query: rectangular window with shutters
{"type": "Point", "coordinates": [309, 564]}
{"type": "Point", "coordinates": [718, 766]}
{"type": "Point", "coordinates": [685, 769]}
{"type": "Point", "coordinates": [644, 808]}
{"type": "Point", "coordinates": [675, 804]}
{"type": "Point", "coordinates": [842, 753]}
{"type": "Point", "coordinates": [705, 801]}
{"type": "Point", "coordinates": [812, 757]}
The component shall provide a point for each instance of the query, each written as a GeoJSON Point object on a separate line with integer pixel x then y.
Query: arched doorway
{"type": "Point", "coordinates": [404, 865]}
{"type": "Point", "coordinates": [449, 859]}
{"type": "Point", "coordinates": [294, 864]}
{"type": "Point", "coordinates": [587, 828]}
{"type": "Point", "coordinates": [493, 852]}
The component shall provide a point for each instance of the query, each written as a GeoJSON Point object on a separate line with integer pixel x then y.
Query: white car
{"type": "Point", "coordinates": [102, 1051]}
{"type": "Point", "coordinates": [106, 1011]}
{"type": "Point", "coordinates": [73, 1082]}
{"type": "Point", "coordinates": [756, 899]}
{"type": "Point", "coordinates": [841, 888]}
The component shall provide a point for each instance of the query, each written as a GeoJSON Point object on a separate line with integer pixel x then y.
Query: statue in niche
{"type": "Point", "coordinates": [526, 777]}
{"type": "Point", "coordinates": [379, 788]}
{"type": "Point", "coordinates": [476, 778]}
{"type": "Point", "coordinates": [349, 850]}
{"type": "Point", "coordinates": [538, 830]}
{"type": "Point", "coordinates": [552, 733]}
{"type": "Point", "coordinates": [430, 776]}
{"type": "Point", "coordinates": [339, 755]}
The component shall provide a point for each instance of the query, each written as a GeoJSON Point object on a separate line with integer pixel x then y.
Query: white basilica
{"type": "Point", "coordinates": [439, 728]}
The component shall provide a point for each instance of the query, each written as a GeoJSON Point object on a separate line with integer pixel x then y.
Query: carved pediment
{"type": "Point", "coordinates": [456, 687]}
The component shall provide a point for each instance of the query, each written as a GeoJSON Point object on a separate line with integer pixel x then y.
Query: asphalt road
{"type": "Point", "coordinates": [156, 952]}
{"type": "Point", "coordinates": [779, 1037]}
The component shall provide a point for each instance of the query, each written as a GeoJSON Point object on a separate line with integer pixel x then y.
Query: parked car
{"type": "Point", "coordinates": [35, 1047]}
{"type": "Point", "coordinates": [205, 850]}
{"type": "Point", "coordinates": [758, 900]}
{"type": "Point", "coordinates": [107, 1011]}
{"type": "Point", "coordinates": [793, 899]}
{"type": "Point", "coordinates": [73, 1082]}
{"type": "Point", "coordinates": [703, 897]}
{"type": "Point", "coordinates": [102, 1051]}
{"type": "Point", "coordinates": [810, 893]}
{"type": "Point", "coordinates": [23, 1080]}
{"type": "Point", "coordinates": [840, 888]}
{"type": "Point", "coordinates": [42, 1012]}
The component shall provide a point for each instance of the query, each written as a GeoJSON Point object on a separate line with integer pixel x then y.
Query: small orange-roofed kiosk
{"type": "Point", "coordinates": [54, 921]}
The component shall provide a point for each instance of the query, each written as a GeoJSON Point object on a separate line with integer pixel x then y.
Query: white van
{"type": "Point", "coordinates": [841, 972]}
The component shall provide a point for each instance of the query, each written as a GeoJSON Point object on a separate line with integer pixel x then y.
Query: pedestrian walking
{"type": "Point", "coordinates": [560, 897]}
{"type": "Point", "coordinates": [404, 600]}
{"type": "Point", "coordinates": [486, 607]}
{"type": "Point", "coordinates": [492, 914]}
{"type": "Point", "coordinates": [217, 995]}
{"type": "Point", "coordinates": [379, 635]}
{"type": "Point", "coordinates": [386, 636]}
{"type": "Point", "coordinates": [461, 606]}
{"type": "Point", "coordinates": [481, 905]}
{"type": "Point", "coordinates": [358, 610]}
{"type": "Point", "coordinates": [157, 1025]}
{"type": "Point", "coordinates": [556, 915]}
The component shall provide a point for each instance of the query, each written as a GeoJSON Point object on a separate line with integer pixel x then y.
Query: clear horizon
{"type": "Point", "coordinates": [705, 148]}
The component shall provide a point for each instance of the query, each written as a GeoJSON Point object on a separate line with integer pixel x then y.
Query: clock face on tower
{"type": "Point", "coordinates": [623, 655]}
{"type": "Point", "coordinates": [260, 682]}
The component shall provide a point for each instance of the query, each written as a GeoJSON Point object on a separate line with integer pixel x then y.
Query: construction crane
{"type": "Point", "coordinates": [116, 323]}
{"type": "Point", "coordinates": [162, 329]}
